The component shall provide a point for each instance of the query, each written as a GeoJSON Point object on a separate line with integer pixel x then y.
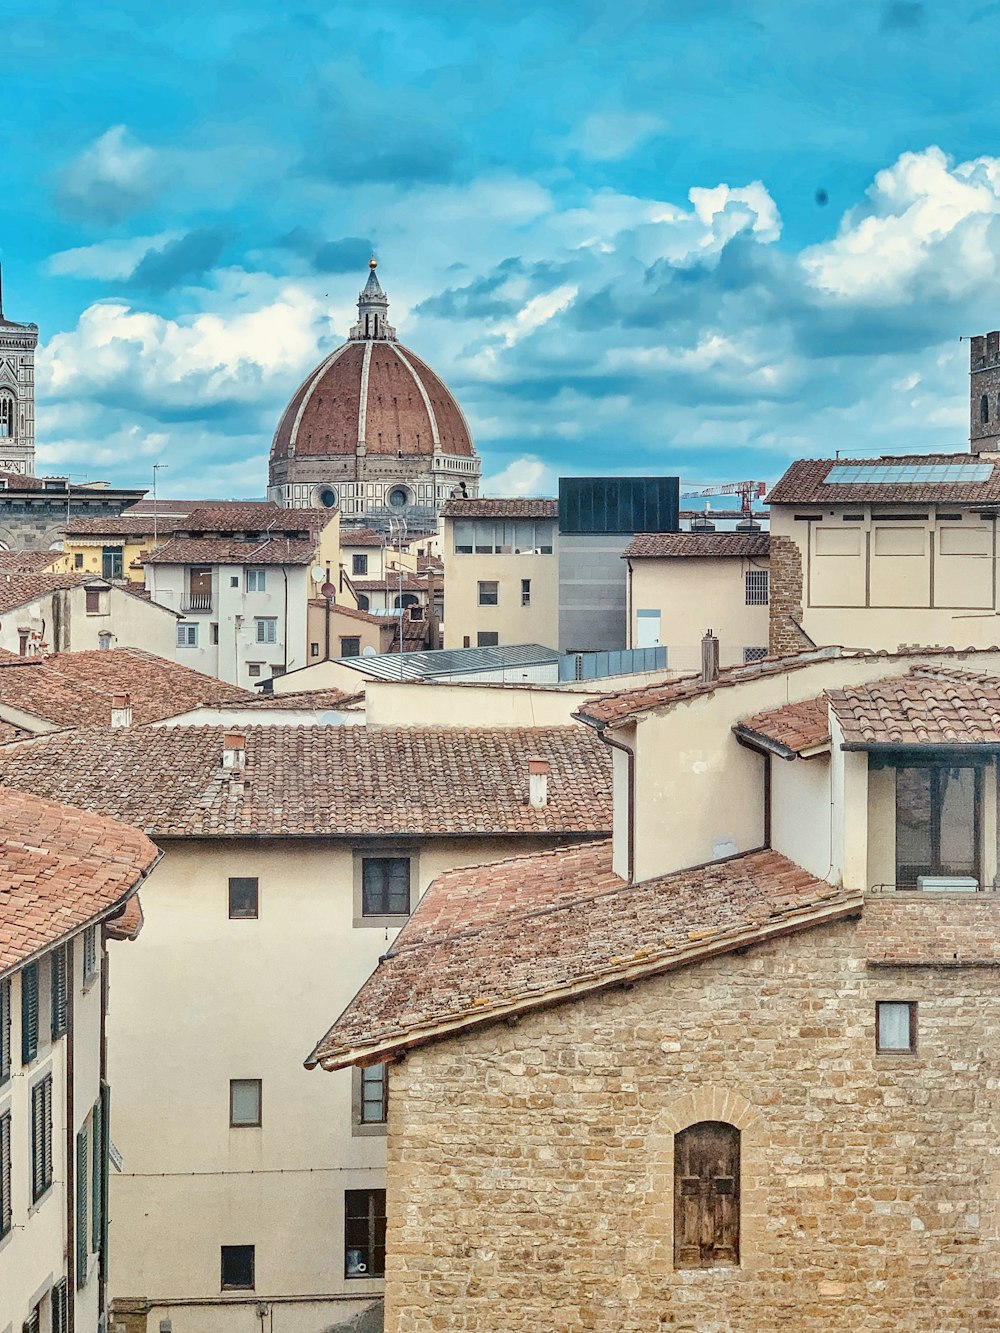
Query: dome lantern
{"type": "Point", "coordinates": [373, 311]}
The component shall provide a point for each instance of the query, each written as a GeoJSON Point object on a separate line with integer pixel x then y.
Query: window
{"type": "Point", "coordinates": [938, 822]}
{"type": "Point", "coordinates": [359, 564]}
{"type": "Point", "coordinates": [199, 588]}
{"type": "Point", "coordinates": [398, 498]}
{"type": "Point", "coordinates": [753, 655]}
{"type": "Point", "coordinates": [896, 1025]}
{"type": "Point", "coordinates": [59, 1006]}
{"type": "Point", "coordinates": [253, 669]}
{"type": "Point", "coordinates": [489, 592]}
{"type": "Point", "coordinates": [41, 1137]}
{"type": "Point", "coordinates": [237, 1267]}
{"type": "Point", "coordinates": [364, 603]}
{"type": "Point", "coordinates": [33, 1323]}
{"type": "Point", "coordinates": [78, 560]}
{"type": "Point", "coordinates": [214, 633]}
{"type": "Point", "coordinates": [6, 1205]}
{"type": "Point", "coordinates": [92, 601]}
{"type": "Point", "coordinates": [256, 580]}
{"type": "Point", "coordinates": [487, 639]}
{"type": "Point", "coordinates": [526, 592]}
{"type": "Point", "coordinates": [757, 581]}
{"type": "Point", "coordinates": [243, 897]}
{"type": "Point", "coordinates": [29, 1013]}
{"type": "Point", "coordinates": [707, 1196]}
{"type": "Point", "coordinates": [350, 646]}
{"type": "Point", "coordinates": [374, 1095]}
{"type": "Point", "coordinates": [104, 640]}
{"type": "Point", "coordinates": [6, 416]}
{"type": "Point", "coordinates": [984, 410]}
{"type": "Point", "coordinates": [97, 1175]}
{"type": "Point", "coordinates": [385, 886]}
{"type": "Point", "coordinates": [486, 537]}
{"type": "Point", "coordinates": [265, 629]}
{"type": "Point", "coordinates": [82, 1242]}
{"type": "Point", "coordinates": [60, 1307]}
{"type": "Point", "coordinates": [5, 1051]}
{"type": "Point", "coordinates": [244, 1102]}
{"type": "Point", "coordinates": [89, 954]}
{"type": "Point", "coordinates": [364, 1233]}
{"type": "Point", "coordinates": [187, 635]}
{"type": "Point", "coordinates": [234, 580]}
{"type": "Point", "coordinates": [111, 562]}
{"type": "Point", "coordinates": [314, 650]}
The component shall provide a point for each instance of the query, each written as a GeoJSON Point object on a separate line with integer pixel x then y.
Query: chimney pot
{"type": "Point", "coordinates": [121, 710]}
{"type": "Point", "coordinates": [538, 782]}
{"type": "Point", "coordinates": [709, 658]}
{"type": "Point", "coordinates": [234, 753]}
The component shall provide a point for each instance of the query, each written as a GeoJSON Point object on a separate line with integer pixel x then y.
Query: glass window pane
{"type": "Point", "coordinates": [958, 821]}
{"type": "Point", "coordinates": [244, 1101]}
{"type": "Point", "coordinates": [373, 1095]}
{"type": "Point", "coordinates": [893, 1027]}
{"type": "Point", "coordinates": [914, 848]}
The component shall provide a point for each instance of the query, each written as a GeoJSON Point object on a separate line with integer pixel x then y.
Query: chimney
{"type": "Point", "coordinates": [538, 783]}
{"type": "Point", "coordinates": [234, 753]}
{"type": "Point", "coordinates": [121, 710]}
{"type": "Point", "coordinates": [709, 658]}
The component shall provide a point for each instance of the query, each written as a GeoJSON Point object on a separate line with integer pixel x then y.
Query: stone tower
{"type": "Point", "coordinates": [17, 394]}
{"type": "Point", "coordinates": [984, 393]}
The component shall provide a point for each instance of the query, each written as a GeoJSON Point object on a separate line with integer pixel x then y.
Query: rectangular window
{"type": "Point", "coordinates": [526, 592]}
{"type": "Point", "coordinates": [89, 954]}
{"type": "Point", "coordinates": [489, 592]}
{"type": "Point", "coordinates": [187, 635]}
{"type": "Point", "coordinates": [243, 890]}
{"type": "Point", "coordinates": [82, 1245]}
{"type": "Point", "coordinates": [896, 1025]}
{"type": "Point", "coordinates": [757, 587]}
{"type": "Point", "coordinates": [5, 1050]}
{"type": "Point", "coordinates": [359, 564]}
{"type": "Point", "coordinates": [385, 886]}
{"type": "Point", "coordinates": [314, 650]}
{"type": "Point", "coordinates": [6, 1206]}
{"type": "Point", "coordinates": [350, 646]}
{"type": "Point", "coordinates": [364, 1233]}
{"type": "Point", "coordinates": [237, 1267]}
{"type": "Point", "coordinates": [41, 1137]}
{"type": "Point", "coordinates": [938, 822]}
{"type": "Point", "coordinates": [78, 560]}
{"type": "Point", "coordinates": [374, 1095]}
{"type": "Point", "coordinates": [214, 634]}
{"type": "Point", "coordinates": [234, 580]}
{"type": "Point", "coordinates": [60, 1307]}
{"type": "Point", "coordinates": [265, 629]}
{"type": "Point", "coordinates": [33, 1323]}
{"type": "Point", "coordinates": [244, 1102]}
{"type": "Point", "coordinates": [92, 601]}
{"type": "Point", "coordinates": [753, 655]}
{"type": "Point", "coordinates": [111, 562]}
{"type": "Point", "coordinates": [253, 669]}
{"type": "Point", "coordinates": [256, 580]}
{"type": "Point", "coordinates": [487, 638]}
{"type": "Point", "coordinates": [59, 1006]}
{"type": "Point", "coordinates": [29, 1013]}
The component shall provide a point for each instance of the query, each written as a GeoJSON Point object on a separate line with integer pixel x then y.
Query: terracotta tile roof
{"type": "Point", "coordinates": [322, 699]}
{"type": "Point", "coordinates": [926, 707]}
{"type": "Point", "coordinates": [323, 781]}
{"type": "Point", "coordinates": [127, 924]}
{"type": "Point", "coordinates": [60, 870]}
{"type": "Point", "coordinates": [804, 483]}
{"type": "Point", "coordinates": [123, 525]}
{"type": "Point", "coordinates": [220, 551]}
{"type": "Point", "coordinates": [794, 727]}
{"type": "Point", "coordinates": [17, 481]}
{"type": "Point", "coordinates": [19, 589]}
{"type": "Point", "coordinates": [359, 537]}
{"type": "Point", "coordinates": [351, 612]}
{"type": "Point", "coordinates": [254, 516]}
{"type": "Point", "coordinates": [511, 507]}
{"type": "Point", "coordinates": [145, 507]}
{"type": "Point", "coordinates": [703, 545]}
{"type": "Point", "coordinates": [75, 689]}
{"type": "Point", "coordinates": [27, 562]}
{"type": "Point", "coordinates": [411, 583]}
{"type": "Point", "coordinates": [488, 940]}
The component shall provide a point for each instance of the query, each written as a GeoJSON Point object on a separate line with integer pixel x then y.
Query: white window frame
{"type": "Point", "coordinates": [187, 634]}
{"type": "Point", "coordinates": [264, 626]}
{"type": "Point", "coordinates": [757, 587]}
{"type": "Point", "coordinates": [256, 580]}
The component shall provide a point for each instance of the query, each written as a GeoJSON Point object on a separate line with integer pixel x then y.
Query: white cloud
{"type": "Point", "coordinates": [107, 261]}
{"type": "Point", "coordinates": [524, 476]}
{"type": "Point", "coordinates": [608, 135]}
{"type": "Point", "coordinates": [111, 178]}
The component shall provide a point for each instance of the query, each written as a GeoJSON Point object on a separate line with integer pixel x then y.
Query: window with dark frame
{"type": "Point", "coordinates": [41, 1137]}
{"type": "Point", "coordinates": [60, 1307]}
{"type": "Point", "coordinates": [375, 1095]}
{"type": "Point", "coordinates": [60, 1001]}
{"type": "Point", "coordinates": [707, 1196]}
{"type": "Point", "coordinates": [364, 1233]}
{"type": "Point", "coordinates": [6, 1205]}
{"type": "Point", "coordinates": [938, 822]}
{"type": "Point", "coordinates": [350, 646]}
{"type": "Point", "coordinates": [489, 592]}
{"type": "Point", "coordinates": [245, 1103]}
{"type": "Point", "coordinates": [92, 601]}
{"type": "Point", "coordinates": [243, 897]}
{"type": "Point", "coordinates": [33, 1323]}
{"type": "Point", "coordinates": [385, 886]}
{"type": "Point", "coordinates": [29, 1013]}
{"type": "Point", "coordinates": [757, 587]}
{"type": "Point", "coordinates": [896, 1026]}
{"type": "Point", "coordinates": [359, 564]}
{"type": "Point", "coordinates": [526, 592]}
{"type": "Point", "coordinates": [487, 638]}
{"type": "Point", "coordinates": [237, 1265]}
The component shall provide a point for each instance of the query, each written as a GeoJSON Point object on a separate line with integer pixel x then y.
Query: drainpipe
{"type": "Point", "coordinates": [630, 844]}
{"type": "Point", "coordinates": [70, 1154]}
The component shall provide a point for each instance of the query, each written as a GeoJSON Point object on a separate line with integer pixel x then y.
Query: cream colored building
{"type": "Point", "coordinates": [50, 612]}
{"type": "Point", "coordinates": [681, 584]}
{"type": "Point", "coordinates": [876, 553]}
{"type": "Point", "coordinates": [67, 880]}
{"type": "Point", "coordinates": [292, 855]}
{"type": "Point", "coordinates": [501, 572]}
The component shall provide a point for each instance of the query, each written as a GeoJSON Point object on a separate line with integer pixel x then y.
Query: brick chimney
{"type": "Point", "coordinates": [234, 754]}
{"type": "Point", "coordinates": [538, 783]}
{"type": "Point", "coordinates": [121, 710]}
{"type": "Point", "coordinates": [709, 658]}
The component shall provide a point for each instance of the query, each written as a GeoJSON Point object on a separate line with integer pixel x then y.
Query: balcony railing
{"type": "Point", "coordinates": [946, 886]}
{"type": "Point", "coordinates": [197, 601]}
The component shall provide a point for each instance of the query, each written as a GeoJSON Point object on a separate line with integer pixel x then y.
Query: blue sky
{"type": "Point", "coordinates": [642, 236]}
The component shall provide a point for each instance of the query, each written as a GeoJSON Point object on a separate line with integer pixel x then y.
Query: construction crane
{"type": "Point", "coordinates": [748, 491]}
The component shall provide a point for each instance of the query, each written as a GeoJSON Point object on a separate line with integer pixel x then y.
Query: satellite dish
{"type": "Point", "coordinates": [329, 591]}
{"type": "Point", "coordinates": [317, 573]}
{"type": "Point", "coordinates": [368, 651]}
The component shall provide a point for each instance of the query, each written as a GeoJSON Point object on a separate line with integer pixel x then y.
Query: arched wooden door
{"type": "Point", "coordinates": [707, 1195]}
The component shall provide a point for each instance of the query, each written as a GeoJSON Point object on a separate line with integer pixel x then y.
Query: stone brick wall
{"type": "Point", "coordinates": [786, 598]}
{"type": "Point", "coordinates": [530, 1167]}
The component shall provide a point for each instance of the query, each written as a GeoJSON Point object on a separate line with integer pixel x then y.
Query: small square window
{"type": "Point", "coordinates": [243, 897]}
{"type": "Point", "coordinates": [215, 633]}
{"type": "Point", "coordinates": [253, 669]}
{"type": "Point", "coordinates": [237, 1267]}
{"type": "Point", "coordinates": [92, 601]}
{"type": "Point", "coordinates": [385, 886]}
{"type": "Point", "coordinates": [244, 1102]}
{"type": "Point", "coordinates": [753, 655]}
{"type": "Point", "coordinates": [896, 1025]}
{"type": "Point", "coordinates": [489, 592]}
{"type": "Point", "coordinates": [350, 646]}
{"type": "Point", "coordinates": [234, 580]}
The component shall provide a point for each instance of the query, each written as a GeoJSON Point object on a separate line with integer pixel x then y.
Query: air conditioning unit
{"type": "Point", "coordinates": [947, 884]}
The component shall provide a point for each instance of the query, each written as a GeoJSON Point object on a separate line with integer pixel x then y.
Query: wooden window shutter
{"type": "Point", "coordinates": [4, 1031]}
{"type": "Point", "coordinates": [82, 1246]}
{"type": "Point", "coordinates": [707, 1196]}
{"type": "Point", "coordinates": [97, 1177]}
{"type": "Point", "coordinates": [41, 1137]}
{"type": "Point", "coordinates": [59, 997]}
{"type": "Point", "coordinates": [33, 1323]}
{"type": "Point", "coordinates": [60, 1307]}
{"type": "Point", "coordinates": [29, 1013]}
{"type": "Point", "coordinates": [6, 1206]}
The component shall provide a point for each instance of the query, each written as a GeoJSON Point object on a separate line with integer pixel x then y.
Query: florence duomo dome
{"type": "Point", "coordinates": [373, 430]}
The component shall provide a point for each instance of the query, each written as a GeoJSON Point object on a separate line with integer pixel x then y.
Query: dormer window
{"type": "Point", "coordinates": [939, 809]}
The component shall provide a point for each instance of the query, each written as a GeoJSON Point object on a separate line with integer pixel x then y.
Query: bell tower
{"type": "Point", "coordinates": [17, 394]}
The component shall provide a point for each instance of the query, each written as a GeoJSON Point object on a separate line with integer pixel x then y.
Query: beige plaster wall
{"type": "Point", "coordinates": [801, 813]}
{"type": "Point", "coordinates": [514, 623]}
{"type": "Point", "coordinates": [531, 1167]}
{"type": "Point", "coordinates": [693, 596]}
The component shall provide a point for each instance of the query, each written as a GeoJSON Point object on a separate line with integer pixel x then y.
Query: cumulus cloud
{"type": "Point", "coordinates": [112, 178]}
{"type": "Point", "coordinates": [524, 476]}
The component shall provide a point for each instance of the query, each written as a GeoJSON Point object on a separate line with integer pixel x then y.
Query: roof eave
{"type": "Point", "coordinates": [909, 747]}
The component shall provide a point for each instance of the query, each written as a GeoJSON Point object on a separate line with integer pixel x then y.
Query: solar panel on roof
{"type": "Point", "coordinates": [908, 474]}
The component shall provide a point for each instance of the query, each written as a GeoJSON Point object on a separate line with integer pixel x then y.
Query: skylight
{"type": "Point", "coordinates": [909, 474]}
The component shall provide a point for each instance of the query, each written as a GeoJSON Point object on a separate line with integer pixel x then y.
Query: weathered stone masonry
{"type": "Point", "coordinates": [786, 591]}
{"type": "Point", "coordinates": [530, 1167]}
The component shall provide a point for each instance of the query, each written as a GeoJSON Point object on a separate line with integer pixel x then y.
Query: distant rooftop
{"type": "Point", "coordinates": [960, 479]}
{"type": "Point", "coordinates": [451, 661]}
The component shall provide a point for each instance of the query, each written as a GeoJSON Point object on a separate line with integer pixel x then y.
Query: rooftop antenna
{"type": "Point", "coordinates": [156, 468]}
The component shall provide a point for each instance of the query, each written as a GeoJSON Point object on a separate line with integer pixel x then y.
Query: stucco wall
{"type": "Point", "coordinates": [693, 596]}
{"type": "Point", "coordinates": [512, 622]}
{"type": "Point", "coordinates": [531, 1167]}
